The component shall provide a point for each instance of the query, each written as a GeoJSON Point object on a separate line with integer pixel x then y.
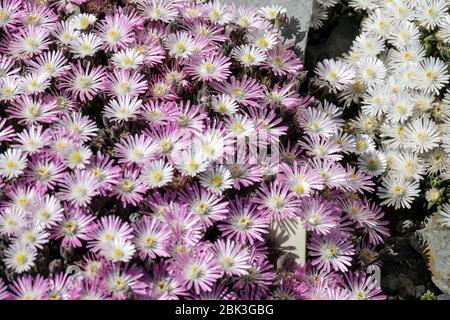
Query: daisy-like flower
{"type": "Point", "coordinates": [331, 252]}
{"type": "Point", "coordinates": [300, 178]}
{"type": "Point", "coordinates": [282, 61]}
{"type": "Point", "coordinates": [85, 45]}
{"type": "Point", "coordinates": [108, 229]}
{"type": "Point", "coordinates": [156, 174]}
{"type": "Point", "coordinates": [318, 215]}
{"type": "Point", "coordinates": [129, 188]}
{"type": "Point", "coordinates": [363, 287]}
{"type": "Point", "coordinates": [119, 250]}
{"type": "Point", "coordinates": [245, 223]}
{"type": "Point", "coordinates": [12, 220]}
{"type": "Point", "coordinates": [12, 163]}
{"type": "Point", "coordinates": [264, 40]}
{"type": "Point", "coordinates": [82, 21]}
{"type": "Point", "coordinates": [214, 67]}
{"type": "Point", "coordinates": [127, 59]}
{"type": "Point", "coordinates": [6, 131]}
{"type": "Point", "coordinates": [431, 13]}
{"type": "Point", "coordinates": [32, 140]}
{"type": "Point", "coordinates": [271, 12]}
{"type": "Point", "coordinates": [336, 74]}
{"type": "Point", "coordinates": [123, 281]}
{"type": "Point", "coordinates": [10, 13]}
{"type": "Point", "coordinates": [240, 126]}
{"type": "Point", "coordinates": [398, 192]}
{"type": "Point", "coordinates": [191, 162]}
{"type": "Point", "coordinates": [371, 71]}
{"type": "Point", "coordinates": [76, 156]}
{"type": "Point", "coordinates": [59, 286]}
{"type": "Point", "coordinates": [65, 32]}
{"type": "Point", "coordinates": [115, 31]}
{"type": "Point", "coordinates": [231, 258]}
{"type": "Point", "coordinates": [197, 270]}
{"type": "Point", "coordinates": [10, 88]}
{"type": "Point", "coordinates": [158, 10]}
{"type": "Point", "coordinates": [123, 109]}
{"type": "Point", "coordinates": [50, 63]}
{"type": "Point", "coordinates": [431, 75]}
{"type": "Point", "coordinates": [409, 165]}
{"type": "Point", "coordinates": [84, 83]}
{"type": "Point", "coordinates": [20, 257]}
{"type": "Point", "coordinates": [316, 122]}
{"type": "Point", "coordinates": [422, 135]}
{"type": "Point", "coordinates": [75, 226]}
{"type": "Point", "coordinates": [78, 188]}
{"type": "Point", "coordinates": [27, 42]}
{"type": "Point", "coordinates": [224, 104]}
{"type": "Point", "coordinates": [248, 55]}
{"type": "Point", "coordinates": [4, 294]}
{"type": "Point", "coordinates": [125, 82]}
{"type": "Point", "coordinates": [217, 12]}
{"type": "Point", "coordinates": [373, 163]}
{"type": "Point", "coordinates": [216, 178]}
{"type": "Point", "coordinates": [48, 211]}
{"type": "Point", "coordinates": [28, 288]}
{"type": "Point", "coordinates": [208, 206]}
{"type": "Point", "coordinates": [277, 201]}
{"type": "Point", "coordinates": [137, 149]}
{"type": "Point", "coordinates": [245, 91]}
{"type": "Point", "coordinates": [152, 238]}
{"type": "Point", "coordinates": [35, 83]}
{"type": "Point", "coordinates": [78, 127]}
{"type": "Point", "coordinates": [180, 45]}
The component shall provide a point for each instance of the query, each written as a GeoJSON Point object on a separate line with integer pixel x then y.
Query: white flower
{"type": "Point", "coordinates": [364, 143]}
{"type": "Point", "coordinates": [432, 75]}
{"type": "Point", "coordinates": [12, 163]}
{"type": "Point", "coordinates": [191, 162]}
{"type": "Point", "coordinates": [129, 58]}
{"type": "Point", "coordinates": [271, 12]}
{"type": "Point", "coordinates": [371, 71]}
{"type": "Point", "coordinates": [82, 21]}
{"type": "Point", "coordinates": [422, 135]}
{"type": "Point", "coordinates": [248, 55]}
{"type": "Point", "coordinates": [20, 257]}
{"type": "Point", "coordinates": [403, 33]}
{"type": "Point", "coordinates": [118, 250]}
{"type": "Point", "coordinates": [180, 45]}
{"type": "Point", "coordinates": [372, 162]}
{"type": "Point", "coordinates": [156, 174]}
{"type": "Point", "coordinates": [77, 157]}
{"type": "Point", "coordinates": [368, 44]}
{"type": "Point", "coordinates": [335, 73]}
{"type": "Point", "coordinates": [224, 104]}
{"type": "Point", "coordinates": [409, 165]}
{"type": "Point", "coordinates": [397, 191]}
{"type": "Point", "coordinates": [87, 44]}
{"type": "Point", "coordinates": [216, 178]}
{"type": "Point", "coordinates": [401, 107]}
{"type": "Point", "coordinates": [240, 126]}
{"type": "Point", "coordinates": [123, 108]}
{"type": "Point", "coordinates": [263, 40]}
{"type": "Point", "coordinates": [431, 13]}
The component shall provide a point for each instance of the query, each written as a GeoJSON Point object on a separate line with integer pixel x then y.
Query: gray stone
{"type": "Point", "coordinates": [443, 297]}
{"type": "Point", "coordinates": [420, 290]}
{"type": "Point", "coordinates": [406, 287]}
{"type": "Point", "coordinates": [299, 16]}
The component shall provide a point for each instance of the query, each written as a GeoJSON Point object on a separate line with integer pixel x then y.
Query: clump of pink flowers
{"type": "Point", "coordinates": [147, 151]}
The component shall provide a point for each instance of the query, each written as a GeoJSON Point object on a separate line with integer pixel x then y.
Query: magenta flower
{"type": "Point", "coordinates": [152, 238]}
{"type": "Point", "coordinates": [282, 61]}
{"type": "Point", "coordinates": [211, 68]}
{"type": "Point", "coordinates": [28, 288]}
{"type": "Point", "coordinates": [318, 215]}
{"type": "Point", "coordinates": [108, 228]}
{"type": "Point", "coordinates": [129, 188]}
{"type": "Point", "coordinates": [246, 91]}
{"type": "Point", "coordinates": [245, 223]}
{"type": "Point", "coordinates": [363, 287]}
{"type": "Point", "coordinates": [84, 83]}
{"type": "Point", "coordinates": [232, 259]}
{"type": "Point", "coordinates": [79, 188]}
{"type": "Point", "coordinates": [331, 251]}
{"type": "Point", "coordinates": [75, 226]}
{"type": "Point", "coordinates": [196, 270]}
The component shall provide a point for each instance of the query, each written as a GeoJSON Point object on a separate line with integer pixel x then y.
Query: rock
{"type": "Point", "coordinates": [299, 14]}
{"type": "Point", "coordinates": [444, 296]}
{"type": "Point", "coordinates": [437, 251]}
{"type": "Point", "coordinates": [406, 287]}
{"type": "Point", "coordinates": [338, 42]}
{"type": "Point", "coordinates": [420, 290]}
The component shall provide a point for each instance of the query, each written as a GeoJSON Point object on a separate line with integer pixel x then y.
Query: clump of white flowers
{"type": "Point", "coordinates": [398, 88]}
